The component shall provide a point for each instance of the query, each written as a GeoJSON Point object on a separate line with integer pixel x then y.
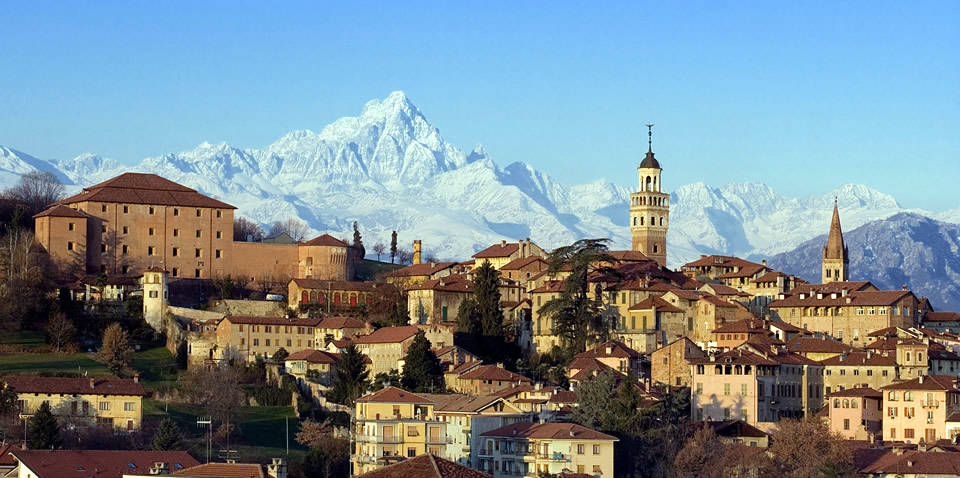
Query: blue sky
{"type": "Point", "coordinates": [801, 95]}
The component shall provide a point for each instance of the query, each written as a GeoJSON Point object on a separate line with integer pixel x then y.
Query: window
{"type": "Point", "coordinates": [256, 342]}
{"type": "Point", "coordinates": [150, 231]}
{"type": "Point", "coordinates": [149, 250]}
{"type": "Point", "coordinates": [219, 253]}
{"type": "Point", "coordinates": [196, 273]}
{"type": "Point", "coordinates": [580, 449]}
{"type": "Point", "coordinates": [907, 396]}
{"type": "Point", "coordinates": [219, 234]}
{"type": "Point", "coordinates": [699, 388]}
{"type": "Point", "coordinates": [743, 389]}
{"type": "Point", "coordinates": [126, 209]}
{"type": "Point", "coordinates": [129, 406]}
{"type": "Point", "coordinates": [596, 450]}
{"type": "Point", "coordinates": [176, 211]}
{"type": "Point", "coordinates": [198, 233]}
{"type": "Point", "coordinates": [123, 249]}
{"type": "Point", "coordinates": [908, 432]}
{"type": "Point", "coordinates": [103, 208]}
{"type": "Point", "coordinates": [69, 245]}
{"type": "Point", "coordinates": [126, 229]}
{"type": "Point", "coordinates": [176, 272]}
{"type": "Point", "coordinates": [176, 252]}
{"type": "Point", "coordinates": [198, 212]}
{"type": "Point", "coordinates": [219, 214]}
{"type": "Point", "coordinates": [103, 248]}
{"type": "Point", "coordinates": [411, 452]}
{"type": "Point", "coordinates": [153, 294]}
{"type": "Point", "coordinates": [70, 226]}
{"type": "Point", "coordinates": [726, 389]}
{"type": "Point", "coordinates": [196, 252]}
{"type": "Point", "coordinates": [892, 412]}
{"type": "Point", "coordinates": [104, 406]}
{"type": "Point", "coordinates": [176, 233]}
{"type": "Point", "coordinates": [846, 423]}
{"type": "Point", "coordinates": [268, 342]}
{"type": "Point", "coordinates": [150, 210]}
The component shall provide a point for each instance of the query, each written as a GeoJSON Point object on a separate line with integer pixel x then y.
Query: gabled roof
{"type": "Point", "coordinates": [732, 428]}
{"type": "Point", "coordinates": [251, 320]}
{"type": "Point", "coordinates": [748, 270]}
{"type": "Point", "coordinates": [518, 264]}
{"type": "Point", "coordinates": [885, 462]}
{"type": "Point", "coordinates": [716, 301]}
{"type": "Point", "coordinates": [498, 250]}
{"type": "Point", "coordinates": [341, 323]}
{"type": "Point", "coordinates": [325, 240]}
{"type": "Point", "coordinates": [425, 466]}
{"type": "Point", "coordinates": [738, 356]}
{"type": "Point", "coordinates": [460, 403]}
{"type": "Point", "coordinates": [806, 344]}
{"type": "Point", "coordinates": [928, 382]}
{"type": "Point", "coordinates": [393, 395]}
{"type": "Point", "coordinates": [941, 317]}
{"type": "Point", "coordinates": [616, 348]}
{"type": "Point", "coordinates": [74, 386]}
{"type": "Point", "coordinates": [720, 261]}
{"type": "Point", "coordinates": [493, 372]}
{"type": "Point", "coordinates": [453, 283]}
{"type": "Point", "coordinates": [222, 470]}
{"type": "Point", "coordinates": [99, 463]}
{"type": "Point", "coordinates": [424, 269]}
{"type": "Point", "coordinates": [313, 356]}
{"type": "Point", "coordinates": [553, 431]}
{"type": "Point", "coordinates": [857, 392]}
{"type": "Point", "coordinates": [59, 210]}
{"type": "Point", "coordinates": [550, 286]}
{"type": "Point", "coordinates": [323, 285]}
{"type": "Point", "coordinates": [749, 326]}
{"type": "Point", "coordinates": [655, 302]}
{"type": "Point", "coordinates": [858, 358]}
{"type": "Point", "coordinates": [629, 256]}
{"type": "Point", "coordinates": [139, 188]}
{"type": "Point", "coordinates": [387, 335]}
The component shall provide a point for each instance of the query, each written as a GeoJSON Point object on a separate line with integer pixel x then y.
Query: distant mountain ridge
{"type": "Point", "coordinates": [904, 249]}
{"type": "Point", "coordinates": [390, 169]}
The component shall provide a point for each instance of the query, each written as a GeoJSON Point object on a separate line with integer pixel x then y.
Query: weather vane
{"type": "Point", "coordinates": [650, 137]}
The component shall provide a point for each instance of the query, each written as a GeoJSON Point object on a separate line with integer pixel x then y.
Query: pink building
{"type": "Point", "coordinates": [856, 413]}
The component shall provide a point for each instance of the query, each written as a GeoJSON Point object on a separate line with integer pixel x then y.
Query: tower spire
{"type": "Point", "coordinates": [649, 137]}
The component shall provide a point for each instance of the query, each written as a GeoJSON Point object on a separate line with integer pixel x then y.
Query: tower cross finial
{"type": "Point", "coordinates": [649, 137]}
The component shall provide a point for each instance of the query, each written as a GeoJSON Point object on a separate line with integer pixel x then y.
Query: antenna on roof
{"type": "Point", "coordinates": [649, 137]}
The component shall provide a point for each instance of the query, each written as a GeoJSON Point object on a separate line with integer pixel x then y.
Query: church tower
{"type": "Point", "coordinates": [650, 208]}
{"type": "Point", "coordinates": [836, 263]}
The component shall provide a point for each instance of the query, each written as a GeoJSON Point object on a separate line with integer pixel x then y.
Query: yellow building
{"type": "Point", "coordinates": [387, 346]}
{"type": "Point", "coordinates": [652, 323]}
{"type": "Point", "coordinates": [251, 337]}
{"type": "Point", "coordinates": [858, 369]}
{"type": "Point", "coordinates": [82, 401]}
{"type": "Point", "coordinates": [499, 255]}
{"type": "Point", "coordinates": [436, 301]}
{"type": "Point", "coordinates": [650, 209]}
{"type": "Point", "coordinates": [543, 337]}
{"type": "Point", "coordinates": [336, 296]}
{"type": "Point", "coordinates": [313, 365]}
{"type": "Point", "coordinates": [918, 409]}
{"type": "Point", "coordinates": [392, 424]}
{"type": "Point", "coordinates": [529, 449]}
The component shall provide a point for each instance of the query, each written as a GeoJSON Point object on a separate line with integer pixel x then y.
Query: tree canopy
{"type": "Point", "coordinates": [350, 377]}
{"type": "Point", "coordinates": [422, 371]}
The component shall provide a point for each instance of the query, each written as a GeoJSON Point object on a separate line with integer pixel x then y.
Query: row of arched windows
{"type": "Point", "coordinates": [649, 183]}
{"type": "Point", "coordinates": [653, 221]}
{"type": "Point", "coordinates": [651, 201]}
{"type": "Point", "coordinates": [313, 297]}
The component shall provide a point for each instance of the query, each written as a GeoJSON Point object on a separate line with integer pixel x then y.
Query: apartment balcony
{"type": "Point", "coordinates": [365, 459]}
{"type": "Point", "coordinates": [930, 403]}
{"type": "Point", "coordinates": [485, 453]}
{"type": "Point", "coordinates": [439, 440]}
{"type": "Point", "coordinates": [384, 439]}
{"type": "Point", "coordinates": [556, 457]}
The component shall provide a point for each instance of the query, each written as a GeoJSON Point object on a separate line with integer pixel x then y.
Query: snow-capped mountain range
{"type": "Point", "coordinates": [389, 169]}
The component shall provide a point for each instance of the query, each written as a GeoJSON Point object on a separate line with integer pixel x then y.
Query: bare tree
{"type": "Point", "coordinates": [61, 333]}
{"type": "Point", "coordinates": [217, 390]}
{"type": "Point", "coordinates": [295, 228]}
{"type": "Point", "coordinates": [244, 229]}
{"type": "Point", "coordinates": [379, 249]}
{"type": "Point", "coordinates": [404, 257]}
{"type": "Point", "coordinates": [269, 283]}
{"type": "Point", "coordinates": [36, 190]}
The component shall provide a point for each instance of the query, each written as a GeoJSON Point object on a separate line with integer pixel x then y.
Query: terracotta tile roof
{"type": "Point", "coordinates": [388, 335]}
{"type": "Point", "coordinates": [72, 386]}
{"type": "Point", "coordinates": [325, 240]}
{"type": "Point", "coordinates": [341, 285]}
{"type": "Point", "coordinates": [941, 317]}
{"type": "Point", "coordinates": [629, 256]}
{"type": "Point", "coordinates": [749, 270]}
{"type": "Point", "coordinates": [251, 320]}
{"type": "Point", "coordinates": [686, 294]}
{"type": "Point", "coordinates": [7, 460]}
{"type": "Point", "coordinates": [313, 356]}
{"type": "Point", "coordinates": [786, 327]}
{"type": "Point", "coordinates": [550, 286]}
{"type": "Point", "coordinates": [857, 392]}
{"type": "Point", "coordinates": [59, 210]}
{"type": "Point", "coordinates": [553, 431]}
{"type": "Point", "coordinates": [514, 391]}
{"type": "Point", "coordinates": [808, 344]}
{"type": "Point", "coordinates": [425, 466]}
{"type": "Point", "coordinates": [518, 264]}
{"type": "Point", "coordinates": [139, 188]}
{"type": "Point", "coordinates": [224, 470]}
{"type": "Point", "coordinates": [492, 372]}
{"type": "Point", "coordinates": [739, 356]}
{"type": "Point", "coordinates": [393, 395]}
{"type": "Point", "coordinates": [721, 289]}
{"type": "Point", "coordinates": [743, 326]}
{"type": "Point", "coordinates": [424, 269]}
{"type": "Point", "coordinates": [617, 348]}
{"type": "Point", "coordinates": [99, 463]}
{"type": "Point", "coordinates": [459, 403]}
{"type": "Point", "coordinates": [498, 250]}
{"type": "Point", "coordinates": [767, 342]}
{"type": "Point", "coordinates": [838, 287]}
{"type": "Point", "coordinates": [451, 283]}
{"type": "Point", "coordinates": [771, 276]}
{"type": "Point", "coordinates": [856, 298]}
{"type": "Point", "coordinates": [465, 366]}
{"type": "Point", "coordinates": [929, 382]}
{"type": "Point", "coordinates": [913, 463]}
{"type": "Point", "coordinates": [655, 301]}
{"type": "Point", "coordinates": [341, 323]}
{"type": "Point", "coordinates": [720, 261]}
{"type": "Point", "coordinates": [858, 358]}
{"type": "Point", "coordinates": [731, 428]}
{"type": "Point", "coordinates": [712, 299]}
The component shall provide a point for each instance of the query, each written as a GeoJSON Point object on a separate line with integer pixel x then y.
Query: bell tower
{"type": "Point", "coordinates": [836, 261]}
{"type": "Point", "coordinates": [650, 208]}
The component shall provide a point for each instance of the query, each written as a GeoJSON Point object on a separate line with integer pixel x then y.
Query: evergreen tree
{"type": "Point", "coordinates": [8, 400]}
{"type": "Point", "coordinates": [350, 377]}
{"type": "Point", "coordinates": [422, 371]}
{"type": "Point", "coordinates": [168, 436]}
{"type": "Point", "coordinates": [486, 294]}
{"type": "Point", "coordinates": [393, 246]}
{"type": "Point", "coordinates": [280, 355]}
{"type": "Point", "coordinates": [576, 317]}
{"type": "Point", "coordinates": [401, 315]}
{"type": "Point", "coordinates": [115, 350]}
{"type": "Point", "coordinates": [44, 431]}
{"type": "Point", "coordinates": [358, 241]}
{"type": "Point", "coordinates": [468, 317]}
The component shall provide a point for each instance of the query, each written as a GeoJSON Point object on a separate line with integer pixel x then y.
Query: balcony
{"type": "Point", "coordinates": [930, 403]}
{"type": "Point", "coordinates": [557, 457]}
{"type": "Point", "coordinates": [439, 440]}
{"type": "Point", "coordinates": [384, 439]}
{"type": "Point", "coordinates": [484, 452]}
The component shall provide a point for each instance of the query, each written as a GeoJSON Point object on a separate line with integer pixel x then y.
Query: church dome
{"type": "Point", "coordinates": [649, 161]}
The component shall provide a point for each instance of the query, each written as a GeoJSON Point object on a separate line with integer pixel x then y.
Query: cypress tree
{"type": "Point", "coordinates": [358, 241]}
{"type": "Point", "coordinates": [44, 431]}
{"type": "Point", "coordinates": [486, 293]}
{"type": "Point", "coordinates": [422, 371]}
{"type": "Point", "coordinates": [168, 436]}
{"type": "Point", "coordinates": [393, 246]}
{"type": "Point", "coordinates": [350, 377]}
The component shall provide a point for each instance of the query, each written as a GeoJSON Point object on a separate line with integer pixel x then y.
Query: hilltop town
{"type": "Point", "coordinates": [151, 331]}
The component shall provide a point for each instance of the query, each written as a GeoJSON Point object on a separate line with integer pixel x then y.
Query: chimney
{"type": "Point", "coordinates": [136, 377]}
{"type": "Point", "coordinates": [503, 243]}
{"type": "Point", "coordinates": [763, 262]}
{"type": "Point", "coordinates": [417, 249]}
{"type": "Point", "coordinates": [93, 383]}
{"type": "Point", "coordinates": [803, 296]}
{"type": "Point", "coordinates": [921, 379]}
{"type": "Point", "coordinates": [904, 287]}
{"type": "Point", "coordinates": [843, 292]}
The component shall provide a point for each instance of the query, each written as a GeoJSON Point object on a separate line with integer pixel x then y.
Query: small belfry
{"type": "Point", "coordinates": [836, 262]}
{"type": "Point", "coordinates": [650, 208]}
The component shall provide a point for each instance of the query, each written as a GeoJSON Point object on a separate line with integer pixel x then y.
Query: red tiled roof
{"type": "Point", "coordinates": [5, 458]}
{"type": "Point", "coordinates": [629, 256]}
{"type": "Point", "coordinates": [492, 372]}
{"type": "Point", "coordinates": [655, 301]}
{"type": "Point", "coordinates": [617, 349]}
{"type": "Point", "coordinates": [550, 286]}
{"type": "Point", "coordinates": [425, 466]}
{"type": "Point", "coordinates": [446, 284]}
{"type": "Point", "coordinates": [857, 392]}
{"type": "Point", "coordinates": [739, 356]}
{"type": "Point", "coordinates": [425, 269]}
{"type": "Point", "coordinates": [861, 358]}
{"type": "Point", "coordinates": [929, 382]}
{"type": "Point", "coordinates": [686, 294]}
{"type": "Point", "coordinates": [139, 188]}
{"type": "Point", "coordinates": [745, 271]}
{"type": "Point", "coordinates": [553, 431]}
{"type": "Point", "coordinates": [221, 470]}
{"type": "Point", "coordinates": [393, 395]}
{"type": "Point", "coordinates": [518, 264]}
{"type": "Point", "coordinates": [817, 345]}
{"type": "Point", "coordinates": [716, 301]}
{"type": "Point", "coordinates": [498, 250]}
{"type": "Point", "coordinates": [341, 323]}
{"type": "Point", "coordinates": [771, 276]}
{"type": "Point", "coordinates": [99, 463]}
{"type": "Point", "coordinates": [325, 240]}
{"type": "Point", "coordinates": [857, 298]}
{"type": "Point", "coordinates": [941, 317]}
{"type": "Point", "coordinates": [313, 356]}
{"type": "Point", "coordinates": [743, 326]}
{"type": "Point", "coordinates": [59, 210]}
{"type": "Point", "coordinates": [251, 320]}
{"type": "Point", "coordinates": [74, 386]}
{"type": "Point", "coordinates": [724, 261]}
{"type": "Point", "coordinates": [721, 289]}
{"type": "Point", "coordinates": [388, 335]}
{"type": "Point", "coordinates": [340, 285]}
{"type": "Point", "coordinates": [912, 463]}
